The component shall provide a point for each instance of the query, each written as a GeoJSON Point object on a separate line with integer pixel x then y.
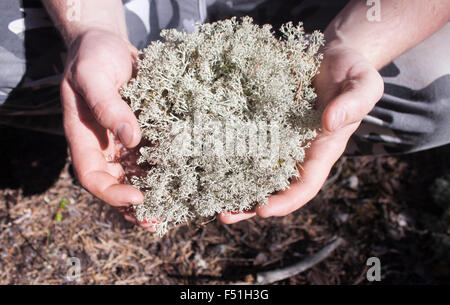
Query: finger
{"type": "Point", "coordinates": [134, 221]}
{"type": "Point", "coordinates": [101, 93]}
{"type": "Point", "coordinates": [358, 96]}
{"type": "Point", "coordinates": [88, 159]}
{"type": "Point", "coordinates": [229, 218]}
{"type": "Point", "coordinates": [134, 56]}
{"type": "Point", "coordinates": [107, 188]}
{"type": "Point", "coordinates": [149, 226]}
{"type": "Point", "coordinates": [134, 51]}
{"type": "Point", "coordinates": [129, 216]}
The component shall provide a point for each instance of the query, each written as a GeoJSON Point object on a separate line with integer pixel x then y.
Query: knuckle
{"type": "Point", "coordinates": [83, 179]}
{"type": "Point", "coordinates": [263, 212]}
{"type": "Point", "coordinates": [100, 111]}
{"type": "Point", "coordinates": [79, 69]}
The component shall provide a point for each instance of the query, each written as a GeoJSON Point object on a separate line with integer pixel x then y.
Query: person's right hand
{"type": "Point", "coordinates": [97, 122]}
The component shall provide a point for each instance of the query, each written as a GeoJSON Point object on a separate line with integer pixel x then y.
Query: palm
{"type": "Point", "coordinates": [347, 81]}
{"type": "Point", "coordinates": [99, 64]}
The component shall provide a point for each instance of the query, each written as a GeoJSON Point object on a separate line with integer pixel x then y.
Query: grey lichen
{"type": "Point", "coordinates": [226, 113]}
{"type": "Point", "coordinates": [440, 190]}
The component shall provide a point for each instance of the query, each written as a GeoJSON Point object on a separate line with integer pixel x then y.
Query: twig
{"type": "Point", "coordinates": [32, 247]}
{"type": "Point", "coordinates": [333, 179]}
{"type": "Point", "coordinates": [265, 278]}
{"type": "Point", "coordinates": [298, 95]}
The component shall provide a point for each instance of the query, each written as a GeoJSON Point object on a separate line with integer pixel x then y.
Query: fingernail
{"type": "Point", "coordinates": [338, 120]}
{"type": "Point", "coordinates": [124, 133]}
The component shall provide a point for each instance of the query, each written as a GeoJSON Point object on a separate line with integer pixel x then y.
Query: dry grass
{"type": "Point", "coordinates": [381, 206]}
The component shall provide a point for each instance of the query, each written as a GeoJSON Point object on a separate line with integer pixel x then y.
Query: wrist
{"type": "Point", "coordinates": [105, 15]}
{"type": "Point", "coordinates": [336, 39]}
{"type": "Point", "coordinates": [76, 32]}
{"type": "Point", "coordinates": [401, 26]}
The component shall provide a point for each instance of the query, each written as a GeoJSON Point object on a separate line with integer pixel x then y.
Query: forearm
{"type": "Point", "coordinates": [105, 15]}
{"type": "Point", "coordinates": [403, 24]}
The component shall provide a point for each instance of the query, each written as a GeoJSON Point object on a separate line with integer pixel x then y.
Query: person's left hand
{"type": "Point", "coordinates": [348, 87]}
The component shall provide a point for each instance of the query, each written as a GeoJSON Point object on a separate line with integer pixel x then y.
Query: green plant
{"type": "Point", "coordinates": [62, 205]}
{"type": "Point", "coordinates": [226, 114]}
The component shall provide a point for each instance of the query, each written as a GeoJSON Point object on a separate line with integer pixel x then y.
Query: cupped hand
{"type": "Point", "coordinates": [97, 122]}
{"type": "Point", "coordinates": [348, 87]}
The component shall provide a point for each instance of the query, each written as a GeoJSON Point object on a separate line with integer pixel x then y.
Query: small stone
{"type": "Point", "coordinates": [353, 182]}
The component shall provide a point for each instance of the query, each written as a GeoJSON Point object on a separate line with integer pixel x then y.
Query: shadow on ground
{"type": "Point", "coordinates": [29, 160]}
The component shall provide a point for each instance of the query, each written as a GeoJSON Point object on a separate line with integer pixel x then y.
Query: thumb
{"type": "Point", "coordinates": [357, 97]}
{"type": "Point", "coordinates": [107, 106]}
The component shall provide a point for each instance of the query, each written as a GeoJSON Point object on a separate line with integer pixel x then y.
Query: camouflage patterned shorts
{"type": "Point", "coordinates": [412, 115]}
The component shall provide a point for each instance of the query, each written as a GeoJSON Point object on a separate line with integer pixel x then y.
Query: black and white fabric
{"type": "Point", "coordinates": [413, 114]}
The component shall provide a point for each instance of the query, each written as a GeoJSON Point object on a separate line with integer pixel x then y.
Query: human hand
{"type": "Point", "coordinates": [97, 122]}
{"type": "Point", "coordinates": [347, 87]}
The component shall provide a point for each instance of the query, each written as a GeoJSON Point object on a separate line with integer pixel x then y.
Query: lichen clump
{"type": "Point", "coordinates": [226, 113]}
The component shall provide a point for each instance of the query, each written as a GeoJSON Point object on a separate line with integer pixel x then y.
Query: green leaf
{"type": "Point", "coordinates": [58, 217]}
{"type": "Point", "coordinates": [63, 203]}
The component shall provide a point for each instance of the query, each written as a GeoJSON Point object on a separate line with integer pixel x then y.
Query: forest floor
{"type": "Point", "coordinates": [380, 206]}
